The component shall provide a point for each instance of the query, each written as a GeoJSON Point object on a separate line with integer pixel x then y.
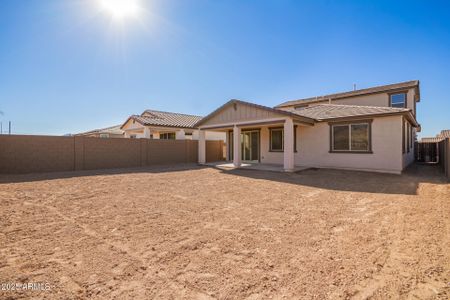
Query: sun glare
{"type": "Point", "coordinates": [121, 9]}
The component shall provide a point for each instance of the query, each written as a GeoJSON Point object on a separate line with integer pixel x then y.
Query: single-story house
{"type": "Point", "coordinates": [153, 124]}
{"type": "Point", "coordinates": [369, 129]}
{"type": "Point", "coordinates": [108, 132]}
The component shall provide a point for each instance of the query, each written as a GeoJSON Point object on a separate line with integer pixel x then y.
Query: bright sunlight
{"type": "Point", "coordinates": [121, 9]}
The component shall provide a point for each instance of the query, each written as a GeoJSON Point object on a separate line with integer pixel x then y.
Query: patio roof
{"type": "Point", "coordinates": [304, 119]}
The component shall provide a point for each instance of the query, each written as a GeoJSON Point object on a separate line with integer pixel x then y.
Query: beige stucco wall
{"type": "Point", "coordinates": [381, 100]}
{"type": "Point", "coordinates": [313, 145]}
{"type": "Point", "coordinates": [386, 147]}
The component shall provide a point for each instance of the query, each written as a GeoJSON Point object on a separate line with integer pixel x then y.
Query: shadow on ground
{"type": "Point", "coordinates": [17, 178]}
{"type": "Point", "coordinates": [354, 181]}
{"type": "Point", "coordinates": [329, 179]}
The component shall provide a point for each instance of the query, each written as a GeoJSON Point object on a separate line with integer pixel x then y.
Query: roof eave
{"type": "Point", "coordinates": [300, 118]}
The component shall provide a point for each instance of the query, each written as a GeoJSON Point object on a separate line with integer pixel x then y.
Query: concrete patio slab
{"type": "Point", "coordinates": [253, 166]}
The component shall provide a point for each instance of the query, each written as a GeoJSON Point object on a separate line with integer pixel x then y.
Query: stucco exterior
{"type": "Point", "coordinates": [386, 148]}
{"type": "Point", "coordinates": [313, 145]}
{"type": "Point", "coordinates": [379, 99]}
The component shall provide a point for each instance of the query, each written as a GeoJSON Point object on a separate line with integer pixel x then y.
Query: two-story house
{"type": "Point", "coordinates": [370, 129]}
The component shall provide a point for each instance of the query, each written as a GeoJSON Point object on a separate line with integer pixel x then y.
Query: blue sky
{"type": "Point", "coordinates": [66, 66]}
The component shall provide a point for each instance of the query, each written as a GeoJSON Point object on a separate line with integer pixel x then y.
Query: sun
{"type": "Point", "coordinates": [120, 9]}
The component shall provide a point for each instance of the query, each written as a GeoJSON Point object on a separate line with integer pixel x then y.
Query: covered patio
{"type": "Point", "coordinates": [258, 137]}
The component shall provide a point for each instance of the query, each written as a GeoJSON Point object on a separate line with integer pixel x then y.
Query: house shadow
{"type": "Point", "coordinates": [353, 181]}
{"type": "Point", "coordinates": [330, 179]}
{"type": "Point", "coordinates": [19, 178]}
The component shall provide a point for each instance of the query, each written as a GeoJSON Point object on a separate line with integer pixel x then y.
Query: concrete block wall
{"type": "Point", "coordinates": [35, 154]}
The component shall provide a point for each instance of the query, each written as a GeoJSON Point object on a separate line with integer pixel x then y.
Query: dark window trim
{"type": "Point", "coordinates": [396, 93]}
{"type": "Point", "coordinates": [270, 139]}
{"type": "Point", "coordinates": [349, 123]}
{"type": "Point", "coordinates": [167, 134]}
{"type": "Point", "coordinates": [282, 129]}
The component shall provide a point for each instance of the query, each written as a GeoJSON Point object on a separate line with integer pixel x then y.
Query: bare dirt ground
{"type": "Point", "coordinates": [201, 233]}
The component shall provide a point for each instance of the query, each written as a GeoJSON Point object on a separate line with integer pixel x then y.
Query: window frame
{"type": "Point", "coordinates": [349, 124]}
{"type": "Point", "coordinates": [167, 134]}
{"type": "Point", "coordinates": [282, 138]}
{"type": "Point", "coordinates": [270, 139]}
{"type": "Point", "coordinates": [405, 105]}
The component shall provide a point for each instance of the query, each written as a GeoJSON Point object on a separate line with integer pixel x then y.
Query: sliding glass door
{"type": "Point", "coordinates": [249, 145]}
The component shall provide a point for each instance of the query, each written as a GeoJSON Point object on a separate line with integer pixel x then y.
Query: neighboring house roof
{"type": "Point", "coordinates": [110, 130]}
{"type": "Point", "coordinates": [321, 112]}
{"type": "Point", "coordinates": [235, 101]}
{"type": "Point", "coordinates": [165, 119]}
{"type": "Point", "coordinates": [361, 92]}
{"type": "Point", "coordinates": [444, 134]}
{"type": "Point", "coordinates": [431, 140]}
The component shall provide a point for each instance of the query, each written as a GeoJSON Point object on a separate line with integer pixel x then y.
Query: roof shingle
{"type": "Point", "coordinates": [332, 111]}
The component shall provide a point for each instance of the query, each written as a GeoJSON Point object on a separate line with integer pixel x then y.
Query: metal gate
{"type": "Point", "coordinates": [427, 152]}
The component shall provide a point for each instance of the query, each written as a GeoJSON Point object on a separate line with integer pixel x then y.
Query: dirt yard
{"type": "Point", "coordinates": [202, 233]}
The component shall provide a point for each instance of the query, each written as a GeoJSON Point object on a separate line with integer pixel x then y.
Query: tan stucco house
{"type": "Point", "coordinates": [154, 124]}
{"type": "Point", "coordinates": [369, 129]}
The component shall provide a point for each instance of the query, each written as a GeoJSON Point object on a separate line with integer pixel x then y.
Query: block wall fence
{"type": "Point", "coordinates": [36, 154]}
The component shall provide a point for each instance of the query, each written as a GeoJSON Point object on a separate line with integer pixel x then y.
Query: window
{"type": "Point", "coordinates": [167, 136]}
{"type": "Point", "coordinates": [132, 136]}
{"type": "Point", "coordinates": [276, 139]}
{"type": "Point", "coordinates": [351, 137]}
{"type": "Point", "coordinates": [104, 135]}
{"type": "Point", "coordinates": [398, 100]}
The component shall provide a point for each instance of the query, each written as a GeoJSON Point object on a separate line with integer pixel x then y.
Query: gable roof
{"type": "Point", "coordinates": [431, 140]}
{"type": "Point", "coordinates": [111, 130]}
{"type": "Point", "coordinates": [361, 92]}
{"type": "Point", "coordinates": [444, 134]}
{"type": "Point", "coordinates": [165, 119]}
{"type": "Point", "coordinates": [262, 107]}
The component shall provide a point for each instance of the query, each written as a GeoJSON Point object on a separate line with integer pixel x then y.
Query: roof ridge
{"type": "Point", "coordinates": [169, 112]}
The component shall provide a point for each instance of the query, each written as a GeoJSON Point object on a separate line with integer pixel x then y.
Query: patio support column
{"type": "Point", "coordinates": [288, 145]}
{"type": "Point", "coordinates": [146, 132]}
{"type": "Point", "coordinates": [236, 146]}
{"type": "Point", "coordinates": [180, 134]}
{"type": "Point", "coordinates": [201, 147]}
{"type": "Point", "coordinates": [227, 143]}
